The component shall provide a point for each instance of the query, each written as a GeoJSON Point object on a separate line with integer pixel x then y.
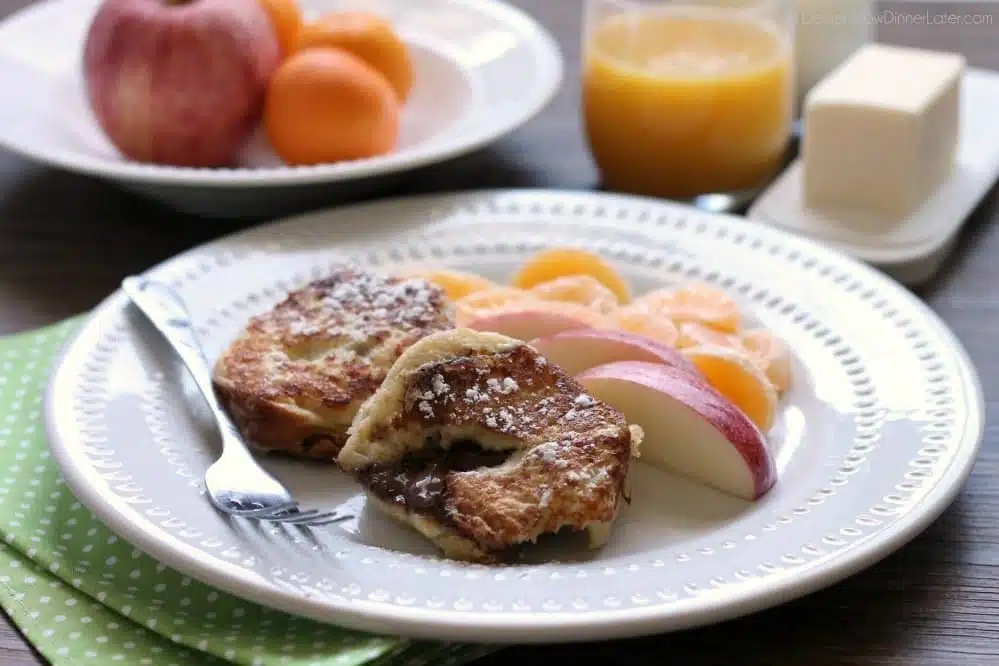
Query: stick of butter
{"type": "Point", "coordinates": [881, 131]}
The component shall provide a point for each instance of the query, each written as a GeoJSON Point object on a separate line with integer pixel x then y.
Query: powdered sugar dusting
{"type": "Point", "coordinates": [440, 386]}
{"type": "Point", "coordinates": [558, 454]}
{"type": "Point", "coordinates": [397, 301]}
{"type": "Point", "coordinates": [303, 327]}
{"type": "Point", "coordinates": [552, 453]}
{"type": "Point", "coordinates": [493, 387]}
{"type": "Point", "coordinates": [508, 423]}
{"type": "Point", "coordinates": [547, 451]}
{"type": "Point", "coordinates": [474, 395]}
{"type": "Point", "coordinates": [503, 387]}
{"type": "Point", "coordinates": [355, 304]}
{"type": "Point", "coordinates": [580, 402]}
{"type": "Point", "coordinates": [494, 393]}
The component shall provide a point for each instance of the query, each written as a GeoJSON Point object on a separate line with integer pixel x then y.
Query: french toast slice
{"type": "Point", "coordinates": [296, 376]}
{"type": "Point", "coordinates": [481, 445]}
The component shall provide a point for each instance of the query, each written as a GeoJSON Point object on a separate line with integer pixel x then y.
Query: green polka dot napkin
{"type": "Point", "coordinates": [82, 596]}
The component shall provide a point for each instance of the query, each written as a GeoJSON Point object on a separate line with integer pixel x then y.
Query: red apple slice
{"type": "Point", "coordinates": [527, 324]}
{"type": "Point", "coordinates": [584, 348]}
{"type": "Point", "coordinates": [690, 428]}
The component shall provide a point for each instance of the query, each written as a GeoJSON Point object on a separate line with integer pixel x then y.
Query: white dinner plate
{"type": "Point", "coordinates": [875, 437]}
{"type": "Point", "coordinates": [482, 69]}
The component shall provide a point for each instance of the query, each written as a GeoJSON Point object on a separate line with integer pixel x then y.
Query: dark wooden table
{"type": "Point", "coordinates": [66, 241]}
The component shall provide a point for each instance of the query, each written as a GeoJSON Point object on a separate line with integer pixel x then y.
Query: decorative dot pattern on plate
{"type": "Point", "coordinates": [847, 327]}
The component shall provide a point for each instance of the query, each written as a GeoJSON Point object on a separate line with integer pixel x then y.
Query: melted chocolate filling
{"type": "Point", "coordinates": [418, 481]}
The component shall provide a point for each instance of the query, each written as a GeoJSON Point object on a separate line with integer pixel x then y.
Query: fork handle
{"type": "Point", "coordinates": [166, 310]}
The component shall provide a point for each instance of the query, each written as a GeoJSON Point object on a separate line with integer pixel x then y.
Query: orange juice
{"type": "Point", "coordinates": [682, 103]}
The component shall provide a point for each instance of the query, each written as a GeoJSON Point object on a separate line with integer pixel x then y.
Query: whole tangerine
{"type": "Point", "coordinates": [369, 37]}
{"type": "Point", "coordinates": [286, 18]}
{"type": "Point", "coordinates": [326, 105]}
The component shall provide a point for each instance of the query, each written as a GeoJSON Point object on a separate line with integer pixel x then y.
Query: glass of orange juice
{"type": "Point", "coordinates": [687, 99]}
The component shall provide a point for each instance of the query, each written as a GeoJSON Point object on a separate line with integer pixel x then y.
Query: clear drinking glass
{"type": "Point", "coordinates": [688, 99]}
{"type": "Point", "coordinates": [827, 33]}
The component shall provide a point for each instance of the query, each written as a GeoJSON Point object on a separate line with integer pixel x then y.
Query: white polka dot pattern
{"type": "Point", "coordinates": [82, 595]}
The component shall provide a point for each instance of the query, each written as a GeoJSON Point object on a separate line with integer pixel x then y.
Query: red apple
{"type": "Point", "coordinates": [690, 428]}
{"type": "Point", "coordinates": [179, 82]}
{"type": "Point", "coordinates": [584, 348]}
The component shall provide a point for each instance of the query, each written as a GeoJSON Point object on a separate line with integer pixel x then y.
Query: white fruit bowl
{"type": "Point", "coordinates": [468, 55]}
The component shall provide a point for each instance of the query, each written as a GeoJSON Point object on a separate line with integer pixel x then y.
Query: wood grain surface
{"type": "Point", "coordinates": [66, 241]}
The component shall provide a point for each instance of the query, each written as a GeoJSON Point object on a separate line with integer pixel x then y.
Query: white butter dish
{"type": "Point", "coordinates": [912, 247]}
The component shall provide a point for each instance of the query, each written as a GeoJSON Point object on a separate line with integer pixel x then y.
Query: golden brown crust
{"type": "Point", "coordinates": [569, 453]}
{"type": "Point", "coordinates": [295, 378]}
{"type": "Point", "coordinates": [451, 543]}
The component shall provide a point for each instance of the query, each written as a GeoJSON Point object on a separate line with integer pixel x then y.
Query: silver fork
{"type": "Point", "coordinates": [236, 484]}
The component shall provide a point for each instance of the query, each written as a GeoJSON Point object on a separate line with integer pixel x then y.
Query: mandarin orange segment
{"type": "Point", "coordinates": [740, 380]}
{"type": "Point", "coordinates": [697, 302]}
{"type": "Point", "coordinates": [696, 334]}
{"type": "Point", "coordinates": [582, 289]}
{"type": "Point", "coordinates": [583, 313]}
{"type": "Point", "coordinates": [771, 354]}
{"type": "Point", "coordinates": [492, 301]}
{"type": "Point", "coordinates": [641, 322]}
{"type": "Point", "coordinates": [550, 264]}
{"type": "Point", "coordinates": [367, 36]}
{"type": "Point", "coordinates": [456, 284]}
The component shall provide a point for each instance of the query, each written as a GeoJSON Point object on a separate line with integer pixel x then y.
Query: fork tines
{"type": "Point", "coordinates": [310, 517]}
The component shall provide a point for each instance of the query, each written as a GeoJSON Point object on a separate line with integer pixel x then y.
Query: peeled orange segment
{"type": "Point", "coordinates": [508, 301]}
{"type": "Point", "coordinates": [647, 324]}
{"type": "Point", "coordinates": [582, 313]}
{"type": "Point", "coordinates": [456, 284]}
{"type": "Point", "coordinates": [694, 334]}
{"type": "Point", "coordinates": [739, 379]}
{"type": "Point", "coordinates": [771, 354]}
{"type": "Point", "coordinates": [493, 301]}
{"type": "Point", "coordinates": [582, 289]}
{"type": "Point", "coordinates": [699, 303]}
{"type": "Point", "coordinates": [562, 262]}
